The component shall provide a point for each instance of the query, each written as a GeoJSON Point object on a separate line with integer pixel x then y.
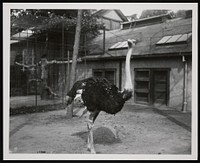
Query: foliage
{"type": "Point", "coordinates": [150, 13]}
{"type": "Point", "coordinates": [180, 13]}
{"type": "Point", "coordinates": [53, 19]}
{"type": "Point", "coordinates": [133, 17]}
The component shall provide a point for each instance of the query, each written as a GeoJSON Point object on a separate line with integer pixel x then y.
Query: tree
{"type": "Point", "coordinates": [45, 92]}
{"type": "Point", "coordinates": [45, 21]}
{"type": "Point", "coordinates": [75, 55]}
{"type": "Point", "coordinates": [180, 13]}
{"type": "Point", "coordinates": [133, 17]}
{"type": "Point", "coordinates": [150, 13]}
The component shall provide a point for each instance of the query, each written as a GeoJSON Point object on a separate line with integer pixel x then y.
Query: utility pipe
{"type": "Point", "coordinates": [184, 105]}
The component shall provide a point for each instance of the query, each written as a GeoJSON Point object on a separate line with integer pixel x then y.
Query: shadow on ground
{"type": "Point", "coordinates": [102, 135]}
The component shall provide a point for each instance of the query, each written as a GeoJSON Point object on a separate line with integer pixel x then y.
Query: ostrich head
{"type": "Point", "coordinates": [128, 87]}
{"type": "Point", "coordinates": [78, 98]}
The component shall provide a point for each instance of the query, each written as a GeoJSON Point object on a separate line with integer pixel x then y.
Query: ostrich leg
{"type": "Point", "coordinates": [90, 124]}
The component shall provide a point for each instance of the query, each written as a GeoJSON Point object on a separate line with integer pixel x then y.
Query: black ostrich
{"type": "Point", "coordinates": [98, 94]}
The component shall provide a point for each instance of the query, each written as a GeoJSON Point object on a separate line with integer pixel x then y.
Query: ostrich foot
{"type": "Point", "coordinates": [88, 147]}
{"type": "Point", "coordinates": [92, 150]}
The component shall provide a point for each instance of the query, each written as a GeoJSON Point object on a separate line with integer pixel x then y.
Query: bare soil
{"type": "Point", "coordinates": [134, 130]}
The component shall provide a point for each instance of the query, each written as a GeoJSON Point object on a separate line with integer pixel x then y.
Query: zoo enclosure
{"type": "Point", "coordinates": [27, 48]}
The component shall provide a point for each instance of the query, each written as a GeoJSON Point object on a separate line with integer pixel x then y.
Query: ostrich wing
{"type": "Point", "coordinates": [99, 94]}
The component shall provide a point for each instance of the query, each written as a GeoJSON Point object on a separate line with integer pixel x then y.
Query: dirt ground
{"type": "Point", "coordinates": [134, 130]}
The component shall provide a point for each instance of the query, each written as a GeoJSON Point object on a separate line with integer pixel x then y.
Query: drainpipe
{"type": "Point", "coordinates": [184, 106]}
{"type": "Point", "coordinates": [120, 75]}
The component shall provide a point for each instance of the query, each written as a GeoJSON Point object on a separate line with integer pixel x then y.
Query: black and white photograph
{"type": "Point", "coordinates": [100, 81]}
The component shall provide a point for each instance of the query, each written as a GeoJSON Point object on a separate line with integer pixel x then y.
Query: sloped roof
{"type": "Point", "coordinates": [146, 39]}
{"type": "Point", "coordinates": [149, 18]}
{"type": "Point", "coordinates": [23, 35]}
{"type": "Point", "coordinates": [118, 12]}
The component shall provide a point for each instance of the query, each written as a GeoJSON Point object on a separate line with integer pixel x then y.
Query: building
{"type": "Point", "coordinates": [28, 47]}
{"type": "Point", "coordinates": [111, 19]}
{"type": "Point", "coordinates": [161, 63]}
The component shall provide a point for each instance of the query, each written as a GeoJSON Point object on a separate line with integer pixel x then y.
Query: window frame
{"type": "Point", "coordinates": [104, 70]}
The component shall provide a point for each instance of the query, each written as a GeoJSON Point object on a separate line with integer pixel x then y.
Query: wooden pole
{"type": "Point", "coordinates": [27, 54]}
{"type": "Point", "coordinates": [36, 68]}
{"type": "Point", "coordinates": [68, 71]}
{"type": "Point", "coordinates": [85, 64]}
{"type": "Point", "coordinates": [76, 48]}
{"type": "Point", "coordinates": [63, 64]}
{"type": "Point", "coordinates": [104, 38]}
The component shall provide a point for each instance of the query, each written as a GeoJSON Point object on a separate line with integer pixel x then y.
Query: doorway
{"type": "Point", "coordinates": [160, 87]}
{"type": "Point", "coordinates": [152, 86]}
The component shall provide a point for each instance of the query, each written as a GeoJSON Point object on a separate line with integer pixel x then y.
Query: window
{"type": "Point", "coordinates": [120, 45]}
{"type": "Point", "coordinates": [109, 74]}
{"type": "Point", "coordinates": [151, 86]}
{"type": "Point", "coordinates": [174, 39]}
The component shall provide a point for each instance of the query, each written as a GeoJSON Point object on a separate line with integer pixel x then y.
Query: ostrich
{"type": "Point", "coordinates": [98, 94]}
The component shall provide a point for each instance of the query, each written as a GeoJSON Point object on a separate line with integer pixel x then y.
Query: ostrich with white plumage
{"type": "Point", "coordinates": [98, 94]}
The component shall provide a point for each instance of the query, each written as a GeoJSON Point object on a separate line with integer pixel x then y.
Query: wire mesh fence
{"type": "Point", "coordinates": [33, 82]}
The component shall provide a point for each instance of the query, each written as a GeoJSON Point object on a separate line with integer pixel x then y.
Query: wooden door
{"type": "Point", "coordinates": [160, 87]}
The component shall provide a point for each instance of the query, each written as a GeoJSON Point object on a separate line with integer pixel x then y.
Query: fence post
{"type": "Point", "coordinates": [63, 64]}
{"type": "Point", "coordinates": [36, 74]}
{"type": "Point", "coordinates": [68, 71]}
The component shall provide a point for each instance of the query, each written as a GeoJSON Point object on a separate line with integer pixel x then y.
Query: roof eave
{"type": "Point", "coordinates": [153, 55]}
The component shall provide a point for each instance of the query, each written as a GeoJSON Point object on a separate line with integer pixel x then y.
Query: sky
{"type": "Point", "coordinates": [128, 11]}
{"type": "Point", "coordinates": [126, 8]}
{"type": "Point", "coordinates": [137, 8]}
{"type": "Point", "coordinates": [131, 9]}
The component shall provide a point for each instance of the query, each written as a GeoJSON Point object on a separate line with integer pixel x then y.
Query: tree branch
{"type": "Point", "coordinates": [27, 66]}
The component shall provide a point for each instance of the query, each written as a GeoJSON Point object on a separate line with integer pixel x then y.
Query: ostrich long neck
{"type": "Point", "coordinates": [128, 83]}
